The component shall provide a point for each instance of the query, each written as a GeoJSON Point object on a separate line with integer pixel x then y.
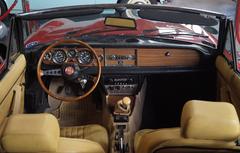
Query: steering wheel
{"type": "Point", "coordinates": [72, 73]}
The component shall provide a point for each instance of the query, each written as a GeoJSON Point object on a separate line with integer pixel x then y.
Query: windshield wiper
{"type": "Point", "coordinates": [173, 33]}
{"type": "Point", "coordinates": [170, 37]}
{"type": "Point", "coordinates": [169, 34]}
{"type": "Point", "coordinates": [185, 34]}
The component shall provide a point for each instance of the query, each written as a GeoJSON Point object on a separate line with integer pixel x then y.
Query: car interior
{"type": "Point", "coordinates": [77, 96]}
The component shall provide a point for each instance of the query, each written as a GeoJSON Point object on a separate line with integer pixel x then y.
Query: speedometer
{"type": "Point", "coordinates": [84, 57]}
{"type": "Point", "coordinates": [59, 56]}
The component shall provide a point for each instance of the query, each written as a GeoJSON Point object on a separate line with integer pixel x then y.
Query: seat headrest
{"type": "Point", "coordinates": [31, 133]}
{"type": "Point", "coordinates": [210, 121]}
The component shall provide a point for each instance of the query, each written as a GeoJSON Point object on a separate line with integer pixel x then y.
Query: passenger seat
{"type": "Point", "coordinates": [206, 127]}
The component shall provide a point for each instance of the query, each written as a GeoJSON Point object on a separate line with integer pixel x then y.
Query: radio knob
{"type": "Point", "coordinates": [111, 88]}
{"type": "Point", "coordinates": [117, 87]}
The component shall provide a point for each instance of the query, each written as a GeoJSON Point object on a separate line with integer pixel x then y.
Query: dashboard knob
{"type": "Point", "coordinates": [167, 54]}
{"type": "Point", "coordinates": [100, 57]}
{"type": "Point", "coordinates": [113, 57]}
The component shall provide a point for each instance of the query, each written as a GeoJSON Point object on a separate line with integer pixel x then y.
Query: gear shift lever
{"type": "Point", "coordinates": [123, 106]}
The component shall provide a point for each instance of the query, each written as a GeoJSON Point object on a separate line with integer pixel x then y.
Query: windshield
{"type": "Point", "coordinates": [152, 26]}
{"type": "Point", "coordinates": [31, 5]}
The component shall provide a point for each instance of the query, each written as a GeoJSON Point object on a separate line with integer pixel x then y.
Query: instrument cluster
{"type": "Point", "coordinates": [68, 55]}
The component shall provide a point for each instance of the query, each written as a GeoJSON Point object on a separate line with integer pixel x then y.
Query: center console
{"type": "Point", "coordinates": [121, 91]}
{"type": "Point", "coordinates": [121, 108]}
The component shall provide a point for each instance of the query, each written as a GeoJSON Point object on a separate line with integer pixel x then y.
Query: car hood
{"type": "Point", "coordinates": [62, 28]}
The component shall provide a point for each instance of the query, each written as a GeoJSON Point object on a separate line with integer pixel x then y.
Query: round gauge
{"type": "Point", "coordinates": [59, 56]}
{"type": "Point", "coordinates": [47, 56]}
{"type": "Point", "coordinates": [84, 57]}
{"type": "Point", "coordinates": [71, 53]}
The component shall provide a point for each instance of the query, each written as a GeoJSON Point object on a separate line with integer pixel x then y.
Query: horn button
{"type": "Point", "coordinates": [71, 72]}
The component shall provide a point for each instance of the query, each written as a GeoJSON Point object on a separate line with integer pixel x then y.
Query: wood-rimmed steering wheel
{"type": "Point", "coordinates": [71, 72]}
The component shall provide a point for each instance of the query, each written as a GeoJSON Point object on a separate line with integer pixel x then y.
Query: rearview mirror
{"type": "Point", "coordinates": [120, 22]}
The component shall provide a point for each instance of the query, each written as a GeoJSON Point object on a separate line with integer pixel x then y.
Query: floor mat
{"type": "Point", "coordinates": [79, 113]}
{"type": "Point", "coordinates": [82, 112]}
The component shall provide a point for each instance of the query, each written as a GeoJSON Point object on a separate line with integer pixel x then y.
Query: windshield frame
{"type": "Point", "coordinates": [80, 9]}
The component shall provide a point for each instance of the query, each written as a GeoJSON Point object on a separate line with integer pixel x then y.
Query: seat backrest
{"type": "Point", "coordinates": [12, 91]}
{"type": "Point", "coordinates": [204, 120]}
{"type": "Point", "coordinates": [206, 127]}
{"type": "Point", "coordinates": [31, 133]}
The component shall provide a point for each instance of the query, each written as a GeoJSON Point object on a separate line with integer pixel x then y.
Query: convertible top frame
{"type": "Point", "coordinates": [94, 9]}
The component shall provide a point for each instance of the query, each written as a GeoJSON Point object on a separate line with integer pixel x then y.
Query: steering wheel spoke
{"type": "Point", "coordinates": [51, 72]}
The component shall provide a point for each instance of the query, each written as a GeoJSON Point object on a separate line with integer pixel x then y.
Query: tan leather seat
{"type": "Point", "coordinates": [38, 133]}
{"type": "Point", "coordinates": [205, 127]}
{"type": "Point", "coordinates": [94, 133]}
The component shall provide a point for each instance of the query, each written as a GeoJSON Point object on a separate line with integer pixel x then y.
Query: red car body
{"type": "Point", "coordinates": [58, 29]}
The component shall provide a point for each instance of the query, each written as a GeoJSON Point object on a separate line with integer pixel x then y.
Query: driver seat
{"type": "Point", "coordinates": [38, 133]}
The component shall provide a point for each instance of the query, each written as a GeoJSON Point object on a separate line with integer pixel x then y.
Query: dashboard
{"type": "Point", "coordinates": [126, 57]}
{"type": "Point", "coordinates": [121, 67]}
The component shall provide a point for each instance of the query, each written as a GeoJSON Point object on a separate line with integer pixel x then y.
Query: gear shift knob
{"type": "Point", "coordinates": [126, 101]}
{"type": "Point", "coordinates": [123, 106]}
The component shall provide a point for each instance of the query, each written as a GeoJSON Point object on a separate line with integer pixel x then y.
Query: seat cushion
{"type": "Point", "coordinates": [31, 133]}
{"type": "Point", "coordinates": [72, 145]}
{"type": "Point", "coordinates": [150, 140]}
{"type": "Point", "coordinates": [95, 133]}
{"type": "Point", "coordinates": [207, 120]}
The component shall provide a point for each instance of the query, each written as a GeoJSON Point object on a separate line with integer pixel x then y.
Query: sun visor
{"type": "Point", "coordinates": [178, 17]}
{"type": "Point", "coordinates": [57, 13]}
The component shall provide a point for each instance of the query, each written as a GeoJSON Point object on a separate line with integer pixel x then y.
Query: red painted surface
{"type": "Point", "coordinates": [27, 6]}
{"type": "Point", "coordinates": [2, 66]}
{"type": "Point", "coordinates": [58, 28]}
{"type": "Point", "coordinates": [8, 11]}
{"type": "Point", "coordinates": [228, 55]}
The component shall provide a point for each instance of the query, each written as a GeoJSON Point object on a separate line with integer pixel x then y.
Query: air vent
{"type": "Point", "coordinates": [132, 40]}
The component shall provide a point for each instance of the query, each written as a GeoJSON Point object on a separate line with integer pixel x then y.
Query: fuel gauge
{"type": "Point", "coordinates": [71, 53]}
{"type": "Point", "coordinates": [48, 56]}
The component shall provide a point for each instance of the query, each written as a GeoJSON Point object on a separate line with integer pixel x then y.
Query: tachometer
{"type": "Point", "coordinates": [84, 57]}
{"type": "Point", "coordinates": [59, 56]}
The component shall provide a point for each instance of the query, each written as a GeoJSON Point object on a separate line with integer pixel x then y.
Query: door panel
{"type": "Point", "coordinates": [12, 89]}
{"type": "Point", "coordinates": [228, 83]}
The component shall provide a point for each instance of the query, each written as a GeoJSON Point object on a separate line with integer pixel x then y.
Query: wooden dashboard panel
{"type": "Point", "coordinates": [167, 57]}
{"type": "Point", "coordinates": [120, 57]}
{"type": "Point", "coordinates": [100, 53]}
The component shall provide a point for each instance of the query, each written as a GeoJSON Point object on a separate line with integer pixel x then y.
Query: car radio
{"type": "Point", "coordinates": [121, 85]}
